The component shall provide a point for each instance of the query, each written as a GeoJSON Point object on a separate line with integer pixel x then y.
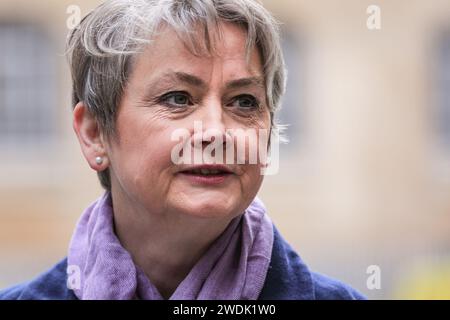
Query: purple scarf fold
{"type": "Point", "coordinates": [233, 268]}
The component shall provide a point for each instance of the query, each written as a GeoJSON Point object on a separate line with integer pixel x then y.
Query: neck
{"type": "Point", "coordinates": [164, 245]}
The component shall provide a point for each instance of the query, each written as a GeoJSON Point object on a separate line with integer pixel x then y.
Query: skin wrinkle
{"type": "Point", "coordinates": [173, 77]}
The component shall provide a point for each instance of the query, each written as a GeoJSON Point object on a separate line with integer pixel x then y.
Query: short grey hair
{"type": "Point", "coordinates": [101, 48]}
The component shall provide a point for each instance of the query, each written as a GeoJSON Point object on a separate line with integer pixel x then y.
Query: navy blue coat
{"type": "Point", "coordinates": [288, 278]}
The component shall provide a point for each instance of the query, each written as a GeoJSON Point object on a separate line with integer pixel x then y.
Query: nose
{"type": "Point", "coordinates": [210, 125]}
{"type": "Point", "coordinates": [211, 115]}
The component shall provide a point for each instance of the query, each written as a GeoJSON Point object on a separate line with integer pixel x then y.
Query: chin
{"type": "Point", "coordinates": [209, 207]}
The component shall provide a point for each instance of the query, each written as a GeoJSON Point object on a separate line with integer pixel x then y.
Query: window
{"type": "Point", "coordinates": [290, 113]}
{"type": "Point", "coordinates": [443, 92]}
{"type": "Point", "coordinates": [27, 87]}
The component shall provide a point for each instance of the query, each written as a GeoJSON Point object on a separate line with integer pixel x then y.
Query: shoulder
{"type": "Point", "coordinates": [326, 288]}
{"type": "Point", "coordinates": [50, 285]}
{"type": "Point", "coordinates": [289, 278]}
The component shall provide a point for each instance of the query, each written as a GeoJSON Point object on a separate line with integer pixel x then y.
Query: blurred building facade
{"type": "Point", "coordinates": [364, 181]}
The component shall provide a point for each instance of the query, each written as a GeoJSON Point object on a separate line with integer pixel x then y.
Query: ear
{"type": "Point", "coordinates": [90, 138]}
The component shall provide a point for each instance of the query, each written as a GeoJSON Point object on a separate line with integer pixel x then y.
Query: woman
{"type": "Point", "coordinates": [168, 229]}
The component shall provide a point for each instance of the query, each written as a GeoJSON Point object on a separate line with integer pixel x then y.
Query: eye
{"type": "Point", "coordinates": [245, 101]}
{"type": "Point", "coordinates": [176, 99]}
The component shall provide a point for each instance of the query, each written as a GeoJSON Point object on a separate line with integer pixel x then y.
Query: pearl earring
{"type": "Point", "coordinates": [99, 160]}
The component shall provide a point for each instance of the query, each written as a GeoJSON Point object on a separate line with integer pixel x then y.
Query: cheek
{"type": "Point", "coordinates": [143, 153]}
{"type": "Point", "coordinates": [145, 137]}
{"type": "Point", "coordinates": [252, 178]}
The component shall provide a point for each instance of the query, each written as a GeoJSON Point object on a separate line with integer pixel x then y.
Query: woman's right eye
{"type": "Point", "coordinates": [177, 99]}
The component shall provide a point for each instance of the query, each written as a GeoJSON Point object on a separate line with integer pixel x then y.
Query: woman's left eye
{"type": "Point", "coordinates": [245, 101]}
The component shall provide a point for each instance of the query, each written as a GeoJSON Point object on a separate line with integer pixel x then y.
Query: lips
{"type": "Point", "coordinates": [209, 175]}
{"type": "Point", "coordinates": [207, 170]}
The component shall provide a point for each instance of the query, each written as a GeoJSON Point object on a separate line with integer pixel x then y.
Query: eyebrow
{"type": "Point", "coordinates": [198, 82]}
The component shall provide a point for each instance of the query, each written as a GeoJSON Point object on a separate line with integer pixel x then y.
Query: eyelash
{"type": "Point", "coordinates": [255, 104]}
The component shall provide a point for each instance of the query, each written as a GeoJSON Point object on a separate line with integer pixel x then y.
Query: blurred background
{"type": "Point", "coordinates": [364, 182]}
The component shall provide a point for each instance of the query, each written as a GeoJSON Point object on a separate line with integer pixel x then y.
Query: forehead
{"type": "Point", "coordinates": [168, 52]}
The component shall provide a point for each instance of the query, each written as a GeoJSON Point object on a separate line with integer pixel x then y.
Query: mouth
{"type": "Point", "coordinates": [207, 174]}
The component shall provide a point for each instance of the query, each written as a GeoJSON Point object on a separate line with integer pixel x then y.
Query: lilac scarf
{"type": "Point", "coordinates": [233, 268]}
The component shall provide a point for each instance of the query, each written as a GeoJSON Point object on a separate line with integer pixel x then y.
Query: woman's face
{"type": "Point", "coordinates": [169, 89]}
